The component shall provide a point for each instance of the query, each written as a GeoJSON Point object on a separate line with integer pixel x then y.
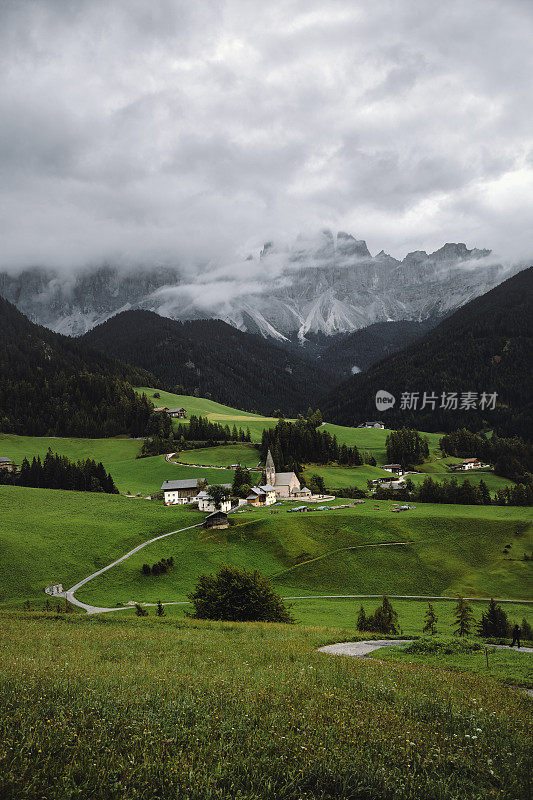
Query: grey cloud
{"type": "Point", "coordinates": [189, 133]}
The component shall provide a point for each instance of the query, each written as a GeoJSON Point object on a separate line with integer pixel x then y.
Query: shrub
{"type": "Point", "coordinates": [494, 622]}
{"type": "Point", "coordinates": [443, 645]}
{"type": "Point", "coordinates": [234, 594]}
{"type": "Point", "coordinates": [383, 620]}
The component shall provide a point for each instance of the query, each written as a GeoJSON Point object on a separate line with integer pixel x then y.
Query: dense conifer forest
{"type": "Point", "coordinates": [218, 361]}
{"type": "Point", "coordinates": [53, 385]}
{"type": "Point", "coordinates": [484, 347]}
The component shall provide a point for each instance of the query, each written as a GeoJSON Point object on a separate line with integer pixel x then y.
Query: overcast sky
{"type": "Point", "coordinates": [149, 131]}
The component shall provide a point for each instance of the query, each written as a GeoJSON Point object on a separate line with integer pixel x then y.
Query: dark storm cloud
{"type": "Point", "coordinates": [177, 132]}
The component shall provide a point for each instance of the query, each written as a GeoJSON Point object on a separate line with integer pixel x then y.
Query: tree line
{"type": "Point", "coordinates": [162, 438]}
{"type": "Point", "coordinates": [511, 457]}
{"type": "Point", "coordinates": [454, 492]}
{"type": "Point", "coordinates": [59, 472]}
{"type": "Point", "coordinates": [295, 443]}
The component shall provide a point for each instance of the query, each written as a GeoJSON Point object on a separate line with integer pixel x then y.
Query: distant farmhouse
{"type": "Point", "coordinates": [206, 502]}
{"type": "Point", "coordinates": [177, 493]}
{"type": "Point", "coordinates": [469, 463]}
{"type": "Point", "coordinates": [6, 463]}
{"type": "Point", "coordinates": [394, 468]}
{"type": "Point", "coordinates": [376, 424]}
{"type": "Point", "coordinates": [179, 413]}
{"type": "Point", "coordinates": [386, 483]}
{"type": "Point", "coordinates": [159, 409]}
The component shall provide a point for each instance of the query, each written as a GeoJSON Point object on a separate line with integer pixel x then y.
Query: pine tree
{"type": "Point", "coordinates": [361, 620]}
{"type": "Point", "coordinates": [430, 621]}
{"type": "Point", "coordinates": [160, 612]}
{"type": "Point", "coordinates": [140, 611]}
{"type": "Point", "coordinates": [464, 617]}
{"type": "Point", "coordinates": [494, 621]}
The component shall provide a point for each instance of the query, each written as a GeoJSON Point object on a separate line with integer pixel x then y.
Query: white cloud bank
{"type": "Point", "coordinates": [175, 132]}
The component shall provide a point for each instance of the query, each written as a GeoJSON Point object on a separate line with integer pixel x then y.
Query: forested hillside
{"type": "Point", "coordinates": [485, 347]}
{"type": "Point", "coordinates": [53, 385]}
{"type": "Point", "coordinates": [219, 361]}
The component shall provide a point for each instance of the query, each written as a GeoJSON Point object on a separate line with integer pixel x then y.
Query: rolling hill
{"type": "Point", "coordinates": [213, 358]}
{"type": "Point", "coordinates": [53, 385]}
{"type": "Point", "coordinates": [486, 346]}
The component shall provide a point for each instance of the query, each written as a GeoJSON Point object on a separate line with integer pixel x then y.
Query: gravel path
{"type": "Point", "coordinates": [358, 649]}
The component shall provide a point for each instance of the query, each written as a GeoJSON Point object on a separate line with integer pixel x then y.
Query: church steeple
{"type": "Point", "coordinates": [270, 470]}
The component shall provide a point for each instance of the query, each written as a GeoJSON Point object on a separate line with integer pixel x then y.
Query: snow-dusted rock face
{"type": "Point", "coordinates": [327, 284]}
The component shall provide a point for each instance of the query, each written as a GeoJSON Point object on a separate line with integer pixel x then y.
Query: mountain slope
{"type": "Point", "coordinates": [235, 368]}
{"type": "Point", "coordinates": [53, 385]}
{"type": "Point", "coordinates": [486, 346]}
{"type": "Point", "coordinates": [323, 284]}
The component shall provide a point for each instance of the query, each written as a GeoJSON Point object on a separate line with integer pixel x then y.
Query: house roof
{"type": "Point", "coordinates": [185, 483]}
{"type": "Point", "coordinates": [397, 466]}
{"type": "Point", "coordinates": [216, 514]}
{"type": "Point", "coordinates": [268, 488]}
{"type": "Point", "coordinates": [4, 460]}
{"type": "Point", "coordinates": [470, 460]}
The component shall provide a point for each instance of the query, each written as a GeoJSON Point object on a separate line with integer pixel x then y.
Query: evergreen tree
{"type": "Point", "coordinates": [361, 619]}
{"type": "Point", "coordinates": [464, 617]}
{"type": "Point", "coordinates": [160, 612]}
{"type": "Point", "coordinates": [494, 621]}
{"type": "Point", "coordinates": [430, 621]}
{"type": "Point", "coordinates": [140, 611]}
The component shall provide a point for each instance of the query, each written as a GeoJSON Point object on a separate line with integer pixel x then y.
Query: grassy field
{"type": "Point", "coordinates": [108, 451]}
{"type": "Point", "coordinates": [62, 536]}
{"type": "Point", "coordinates": [216, 412]}
{"type": "Point", "coordinates": [223, 456]}
{"type": "Point", "coordinates": [151, 708]}
{"type": "Point", "coordinates": [508, 665]}
{"type": "Point", "coordinates": [343, 477]}
{"type": "Point", "coordinates": [493, 481]}
{"type": "Point", "coordinates": [373, 439]}
{"type": "Point", "coordinates": [146, 475]}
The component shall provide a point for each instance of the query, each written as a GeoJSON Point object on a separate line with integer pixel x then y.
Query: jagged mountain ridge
{"type": "Point", "coordinates": [327, 284]}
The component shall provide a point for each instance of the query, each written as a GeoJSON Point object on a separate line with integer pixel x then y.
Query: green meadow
{"type": "Point", "coordinates": [216, 412]}
{"type": "Point", "coordinates": [108, 451]}
{"type": "Point", "coordinates": [222, 456]}
{"type": "Point", "coordinates": [146, 475]}
{"type": "Point", "coordinates": [144, 708]}
{"type": "Point", "coordinates": [343, 477]}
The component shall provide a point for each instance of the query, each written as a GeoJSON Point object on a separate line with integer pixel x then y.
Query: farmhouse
{"type": "Point", "coordinates": [181, 491]}
{"type": "Point", "coordinates": [206, 502]}
{"type": "Point", "coordinates": [394, 468]}
{"type": "Point", "coordinates": [262, 495]}
{"type": "Point", "coordinates": [218, 519]}
{"type": "Point", "coordinates": [469, 463]}
{"type": "Point", "coordinates": [376, 424]}
{"type": "Point", "coordinates": [159, 409]}
{"type": "Point", "coordinates": [6, 463]}
{"type": "Point", "coordinates": [179, 413]}
{"type": "Point", "coordinates": [286, 484]}
{"type": "Point", "coordinates": [385, 483]}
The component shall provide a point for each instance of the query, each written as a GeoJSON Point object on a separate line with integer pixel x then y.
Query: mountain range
{"type": "Point", "coordinates": [321, 285]}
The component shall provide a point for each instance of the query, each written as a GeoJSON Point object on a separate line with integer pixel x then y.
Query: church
{"type": "Point", "coordinates": [286, 484]}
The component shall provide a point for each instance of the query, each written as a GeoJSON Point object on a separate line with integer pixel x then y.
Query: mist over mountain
{"type": "Point", "coordinates": [321, 284]}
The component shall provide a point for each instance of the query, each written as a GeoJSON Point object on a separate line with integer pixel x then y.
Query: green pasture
{"type": "Point", "coordinates": [509, 665]}
{"type": "Point", "coordinates": [440, 550]}
{"type": "Point", "coordinates": [146, 475]}
{"type": "Point", "coordinates": [494, 482]}
{"type": "Point", "coordinates": [222, 456]}
{"type": "Point", "coordinates": [108, 451]}
{"type": "Point", "coordinates": [373, 439]}
{"type": "Point", "coordinates": [216, 412]}
{"type": "Point", "coordinates": [343, 477]}
{"type": "Point", "coordinates": [121, 707]}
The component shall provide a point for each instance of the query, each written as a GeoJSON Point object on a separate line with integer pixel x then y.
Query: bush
{"type": "Point", "coordinates": [234, 594]}
{"type": "Point", "coordinates": [383, 620]}
{"type": "Point", "coordinates": [441, 645]}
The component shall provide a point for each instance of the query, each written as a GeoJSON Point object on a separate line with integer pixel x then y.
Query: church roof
{"type": "Point", "coordinates": [269, 464]}
{"type": "Point", "coordinates": [284, 478]}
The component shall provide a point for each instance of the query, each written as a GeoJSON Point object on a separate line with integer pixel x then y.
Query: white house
{"type": "Point", "coordinates": [375, 424]}
{"type": "Point", "coordinates": [395, 468]}
{"type": "Point", "coordinates": [179, 413]}
{"type": "Point", "coordinates": [470, 463]}
{"type": "Point", "coordinates": [206, 502]}
{"type": "Point", "coordinates": [177, 493]}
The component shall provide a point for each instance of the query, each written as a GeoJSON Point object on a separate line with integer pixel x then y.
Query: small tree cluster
{"type": "Point", "coordinates": [159, 568]}
{"type": "Point", "coordinates": [383, 620]}
{"type": "Point", "coordinates": [58, 472]}
{"type": "Point", "coordinates": [406, 447]}
{"type": "Point", "coordinates": [241, 482]}
{"type": "Point", "coordinates": [494, 622]}
{"type": "Point", "coordinates": [235, 594]}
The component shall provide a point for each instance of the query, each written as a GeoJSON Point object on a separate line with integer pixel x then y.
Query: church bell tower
{"type": "Point", "coordinates": [270, 470]}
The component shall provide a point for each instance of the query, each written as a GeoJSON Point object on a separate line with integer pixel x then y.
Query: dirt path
{"type": "Point", "coordinates": [359, 649]}
{"type": "Point", "coordinates": [69, 593]}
